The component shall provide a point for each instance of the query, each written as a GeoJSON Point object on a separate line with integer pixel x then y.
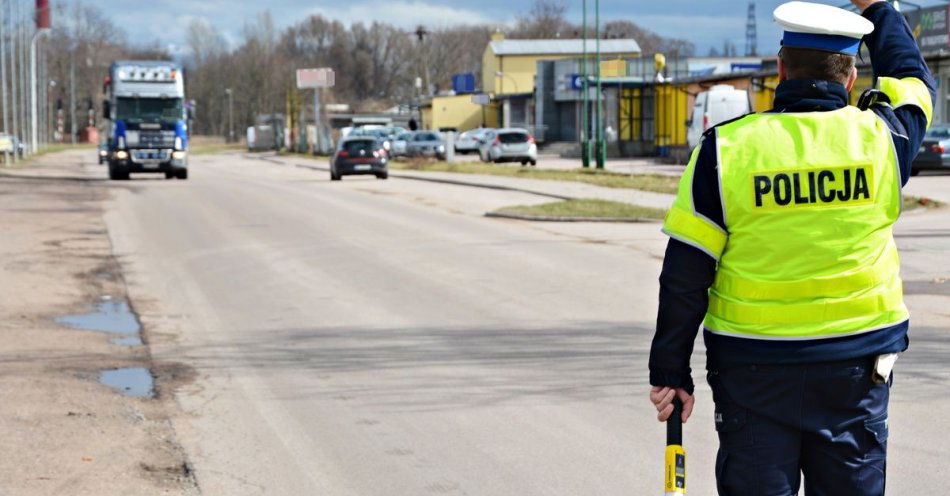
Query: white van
{"type": "Point", "coordinates": [718, 104]}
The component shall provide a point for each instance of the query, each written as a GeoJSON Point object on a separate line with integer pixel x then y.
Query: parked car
{"type": "Point", "coordinates": [359, 155]}
{"type": "Point", "coordinates": [510, 145]}
{"type": "Point", "coordinates": [426, 144]}
{"type": "Point", "coordinates": [935, 151]}
{"type": "Point", "coordinates": [103, 153]}
{"type": "Point", "coordinates": [718, 104]}
{"type": "Point", "coordinates": [9, 143]}
{"type": "Point", "coordinates": [400, 144]}
{"type": "Point", "coordinates": [468, 141]}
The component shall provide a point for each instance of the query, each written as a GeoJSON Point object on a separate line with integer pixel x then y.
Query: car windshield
{"type": "Point", "coordinates": [404, 137]}
{"type": "Point", "coordinates": [355, 146]}
{"type": "Point", "coordinates": [939, 132]}
{"type": "Point", "coordinates": [149, 109]}
{"type": "Point", "coordinates": [511, 138]}
{"type": "Point", "coordinates": [426, 137]}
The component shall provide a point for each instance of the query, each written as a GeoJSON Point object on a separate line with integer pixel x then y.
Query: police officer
{"type": "Point", "coordinates": [781, 246]}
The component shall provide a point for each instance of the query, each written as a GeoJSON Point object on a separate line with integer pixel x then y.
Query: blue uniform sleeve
{"type": "Point", "coordinates": [688, 273]}
{"type": "Point", "coordinates": [900, 69]}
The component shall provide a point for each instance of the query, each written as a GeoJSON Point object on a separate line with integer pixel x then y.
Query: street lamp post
{"type": "Point", "coordinates": [585, 143]}
{"type": "Point", "coordinates": [228, 92]}
{"type": "Point", "coordinates": [601, 149]}
{"type": "Point", "coordinates": [33, 99]}
{"type": "Point", "coordinates": [3, 76]}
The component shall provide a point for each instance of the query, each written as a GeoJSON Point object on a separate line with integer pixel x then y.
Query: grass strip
{"type": "Point", "coordinates": [915, 202]}
{"type": "Point", "coordinates": [657, 183]}
{"type": "Point", "coordinates": [584, 208]}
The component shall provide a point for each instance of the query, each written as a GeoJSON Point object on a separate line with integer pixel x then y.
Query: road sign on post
{"type": "Point", "coordinates": [323, 77]}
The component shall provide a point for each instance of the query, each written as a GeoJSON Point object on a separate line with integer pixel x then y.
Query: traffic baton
{"type": "Point", "coordinates": [675, 475]}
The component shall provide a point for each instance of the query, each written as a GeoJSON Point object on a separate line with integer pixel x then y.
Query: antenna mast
{"type": "Point", "coordinates": [751, 41]}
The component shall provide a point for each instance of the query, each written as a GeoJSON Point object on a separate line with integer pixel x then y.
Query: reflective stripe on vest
{"type": "Point", "coordinates": [810, 200]}
{"type": "Point", "coordinates": [684, 224]}
{"type": "Point", "coordinates": [907, 91]}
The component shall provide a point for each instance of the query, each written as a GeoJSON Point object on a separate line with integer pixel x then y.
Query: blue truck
{"type": "Point", "coordinates": [146, 119]}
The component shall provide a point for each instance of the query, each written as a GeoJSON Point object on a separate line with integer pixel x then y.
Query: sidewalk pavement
{"type": "Point", "coordinates": [563, 190]}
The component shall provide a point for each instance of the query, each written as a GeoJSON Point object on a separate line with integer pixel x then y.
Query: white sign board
{"type": "Point", "coordinates": [315, 78]}
{"type": "Point", "coordinates": [481, 99]}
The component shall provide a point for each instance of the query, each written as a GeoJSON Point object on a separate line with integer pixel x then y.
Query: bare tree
{"type": "Point", "coordinates": [546, 19]}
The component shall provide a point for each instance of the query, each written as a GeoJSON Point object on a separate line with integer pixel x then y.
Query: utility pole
{"type": "Point", "coordinates": [585, 126]}
{"type": "Point", "coordinates": [421, 33]}
{"type": "Point", "coordinates": [599, 139]}
{"type": "Point", "coordinates": [3, 75]}
{"type": "Point", "coordinates": [14, 78]}
{"type": "Point", "coordinates": [230, 139]}
{"type": "Point", "coordinates": [72, 97]}
{"type": "Point", "coordinates": [24, 82]}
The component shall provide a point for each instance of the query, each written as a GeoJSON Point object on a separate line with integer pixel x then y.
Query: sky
{"type": "Point", "coordinates": [706, 23]}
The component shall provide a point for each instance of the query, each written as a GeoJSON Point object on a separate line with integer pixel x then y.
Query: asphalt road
{"type": "Point", "coordinates": [383, 338]}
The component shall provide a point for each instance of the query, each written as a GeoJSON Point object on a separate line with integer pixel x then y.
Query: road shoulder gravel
{"type": "Point", "coordinates": [64, 433]}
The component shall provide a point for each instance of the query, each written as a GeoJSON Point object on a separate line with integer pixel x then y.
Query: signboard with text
{"type": "Point", "coordinates": [931, 27]}
{"type": "Point", "coordinates": [315, 78]}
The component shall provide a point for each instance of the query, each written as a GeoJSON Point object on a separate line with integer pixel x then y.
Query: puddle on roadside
{"type": "Point", "coordinates": [132, 381]}
{"type": "Point", "coordinates": [111, 316]}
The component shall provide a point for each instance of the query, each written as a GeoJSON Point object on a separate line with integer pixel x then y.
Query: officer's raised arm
{"type": "Point", "coordinates": [902, 75]}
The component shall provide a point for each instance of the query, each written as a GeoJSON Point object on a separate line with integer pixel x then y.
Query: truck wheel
{"type": "Point", "coordinates": [182, 174]}
{"type": "Point", "coordinates": [170, 175]}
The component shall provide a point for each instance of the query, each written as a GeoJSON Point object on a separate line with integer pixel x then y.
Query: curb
{"type": "Point", "coordinates": [553, 218]}
{"type": "Point", "coordinates": [395, 174]}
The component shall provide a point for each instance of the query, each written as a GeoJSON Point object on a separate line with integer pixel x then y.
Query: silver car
{"type": "Point", "coordinates": [509, 145]}
{"type": "Point", "coordinates": [426, 144]}
{"type": "Point", "coordinates": [469, 141]}
{"type": "Point", "coordinates": [400, 144]}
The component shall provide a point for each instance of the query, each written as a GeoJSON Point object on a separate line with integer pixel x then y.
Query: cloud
{"type": "Point", "coordinates": [404, 14]}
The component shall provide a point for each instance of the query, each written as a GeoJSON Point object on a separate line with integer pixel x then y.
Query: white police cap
{"type": "Point", "coordinates": [821, 27]}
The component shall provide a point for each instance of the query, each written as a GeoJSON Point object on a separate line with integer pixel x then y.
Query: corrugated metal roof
{"type": "Point", "coordinates": [561, 47]}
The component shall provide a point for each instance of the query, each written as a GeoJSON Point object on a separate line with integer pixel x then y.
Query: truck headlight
{"type": "Point", "coordinates": [178, 143]}
{"type": "Point", "coordinates": [121, 154]}
{"type": "Point", "coordinates": [179, 155]}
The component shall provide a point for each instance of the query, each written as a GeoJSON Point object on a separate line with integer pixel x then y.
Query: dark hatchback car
{"type": "Point", "coordinates": [935, 151]}
{"type": "Point", "coordinates": [359, 155]}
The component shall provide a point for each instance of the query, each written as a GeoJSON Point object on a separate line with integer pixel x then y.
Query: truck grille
{"type": "Point", "coordinates": [157, 139]}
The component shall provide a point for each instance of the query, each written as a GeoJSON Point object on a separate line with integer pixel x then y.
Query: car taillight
{"type": "Point", "coordinates": [344, 153]}
{"type": "Point", "coordinates": [530, 139]}
{"type": "Point", "coordinates": [382, 153]}
{"type": "Point", "coordinates": [938, 148]}
{"type": "Point", "coordinates": [705, 122]}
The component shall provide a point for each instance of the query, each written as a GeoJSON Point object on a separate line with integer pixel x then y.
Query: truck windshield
{"type": "Point", "coordinates": [148, 109]}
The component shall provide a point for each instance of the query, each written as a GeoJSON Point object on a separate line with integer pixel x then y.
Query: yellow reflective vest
{"type": "Point", "coordinates": [809, 201]}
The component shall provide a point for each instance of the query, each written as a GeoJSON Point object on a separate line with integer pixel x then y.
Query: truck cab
{"type": "Point", "coordinates": [147, 119]}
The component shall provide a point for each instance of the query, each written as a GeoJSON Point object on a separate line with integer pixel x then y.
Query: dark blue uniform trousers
{"type": "Point", "coordinates": [826, 421]}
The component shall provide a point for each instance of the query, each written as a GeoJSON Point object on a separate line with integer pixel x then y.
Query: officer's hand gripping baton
{"type": "Point", "coordinates": [675, 475]}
